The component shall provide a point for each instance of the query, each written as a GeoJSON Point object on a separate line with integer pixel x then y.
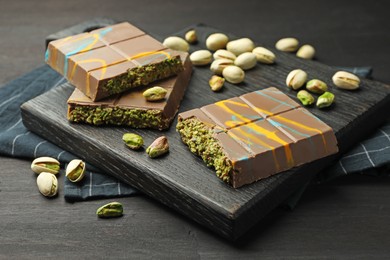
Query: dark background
{"type": "Point", "coordinates": [345, 218]}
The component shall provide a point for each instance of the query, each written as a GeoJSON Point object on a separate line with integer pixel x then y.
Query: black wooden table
{"type": "Point", "coordinates": [348, 217]}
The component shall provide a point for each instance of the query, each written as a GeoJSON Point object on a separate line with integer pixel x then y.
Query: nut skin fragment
{"type": "Point", "coordinates": [233, 74]}
{"type": "Point", "coordinates": [216, 83]}
{"type": "Point", "coordinates": [155, 93]}
{"type": "Point", "coordinates": [346, 80]}
{"type": "Point", "coordinates": [176, 43]}
{"type": "Point", "coordinates": [316, 86]}
{"type": "Point", "coordinates": [133, 141]}
{"type": "Point", "coordinates": [201, 57]}
{"type": "Point", "coordinates": [325, 100]}
{"type": "Point", "coordinates": [305, 97]}
{"type": "Point", "coordinates": [45, 164]}
{"type": "Point", "coordinates": [47, 184]}
{"type": "Point", "coordinates": [75, 170]}
{"type": "Point", "coordinates": [306, 52]}
{"type": "Point", "coordinates": [296, 79]}
{"type": "Point", "coordinates": [264, 55]}
{"type": "Point", "coordinates": [191, 37]}
{"type": "Point", "coordinates": [287, 44]}
{"type": "Point", "coordinates": [110, 210]}
{"type": "Point", "coordinates": [216, 41]}
{"type": "Point", "coordinates": [159, 147]}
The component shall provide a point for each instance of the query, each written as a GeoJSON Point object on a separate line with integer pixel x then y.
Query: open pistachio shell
{"type": "Point", "coordinates": [75, 170]}
{"type": "Point", "coordinates": [45, 164]}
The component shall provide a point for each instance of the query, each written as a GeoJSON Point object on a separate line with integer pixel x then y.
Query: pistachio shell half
{"type": "Point", "coordinates": [45, 164]}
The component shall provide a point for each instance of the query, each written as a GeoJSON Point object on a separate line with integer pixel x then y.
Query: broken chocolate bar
{"type": "Point", "coordinates": [111, 60]}
{"type": "Point", "coordinates": [131, 108]}
{"type": "Point", "coordinates": [256, 135]}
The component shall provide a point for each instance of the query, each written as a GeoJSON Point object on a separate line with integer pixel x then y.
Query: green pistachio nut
{"type": "Point", "coordinates": [325, 100]}
{"type": "Point", "coordinates": [155, 94]}
{"type": "Point", "coordinates": [216, 83]}
{"type": "Point", "coordinates": [159, 147]}
{"type": "Point", "coordinates": [133, 141]}
{"type": "Point", "coordinates": [316, 86]}
{"type": "Point", "coordinates": [110, 210]}
{"type": "Point", "coordinates": [305, 97]}
{"type": "Point", "coordinates": [75, 170]}
{"type": "Point", "coordinates": [45, 164]}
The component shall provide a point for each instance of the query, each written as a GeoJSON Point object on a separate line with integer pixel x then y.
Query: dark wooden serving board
{"type": "Point", "coordinates": [181, 180]}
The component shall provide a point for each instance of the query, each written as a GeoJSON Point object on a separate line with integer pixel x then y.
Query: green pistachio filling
{"type": "Point", "coordinates": [137, 118]}
{"type": "Point", "coordinates": [54, 167]}
{"type": "Point", "coordinates": [144, 75]}
{"type": "Point", "coordinates": [200, 140]}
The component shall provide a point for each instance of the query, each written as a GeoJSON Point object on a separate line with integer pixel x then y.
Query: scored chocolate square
{"type": "Point", "coordinates": [131, 108]}
{"type": "Point", "coordinates": [256, 135]}
{"type": "Point", "coordinates": [111, 60]}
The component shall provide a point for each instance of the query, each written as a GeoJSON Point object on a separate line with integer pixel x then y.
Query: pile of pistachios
{"type": "Point", "coordinates": [296, 79]}
{"type": "Point", "coordinates": [47, 168]}
{"type": "Point", "coordinates": [230, 59]}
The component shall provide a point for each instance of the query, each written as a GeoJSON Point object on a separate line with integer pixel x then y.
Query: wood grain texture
{"type": "Point", "coordinates": [178, 180]}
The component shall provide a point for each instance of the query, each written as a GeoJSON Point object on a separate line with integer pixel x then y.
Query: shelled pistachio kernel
{"type": "Point", "coordinates": [75, 170]}
{"type": "Point", "coordinates": [133, 141]}
{"type": "Point", "coordinates": [305, 97]}
{"type": "Point", "coordinates": [224, 54]}
{"type": "Point", "coordinates": [325, 100]}
{"type": "Point", "coordinates": [287, 44]}
{"type": "Point", "coordinates": [201, 57]}
{"type": "Point", "coordinates": [316, 86]}
{"type": "Point", "coordinates": [47, 184]}
{"type": "Point", "coordinates": [110, 210]}
{"type": "Point", "coordinates": [246, 60]}
{"type": "Point", "coordinates": [264, 55]}
{"type": "Point", "coordinates": [233, 74]}
{"type": "Point", "coordinates": [346, 80]}
{"type": "Point", "coordinates": [216, 41]}
{"type": "Point", "coordinates": [216, 83]}
{"type": "Point", "coordinates": [159, 147]}
{"type": "Point", "coordinates": [296, 79]}
{"type": "Point", "coordinates": [176, 43]}
{"type": "Point", "coordinates": [155, 93]}
{"type": "Point", "coordinates": [219, 65]}
{"type": "Point", "coordinates": [45, 164]}
{"type": "Point", "coordinates": [306, 52]}
{"type": "Point", "coordinates": [191, 37]}
{"type": "Point", "coordinates": [240, 46]}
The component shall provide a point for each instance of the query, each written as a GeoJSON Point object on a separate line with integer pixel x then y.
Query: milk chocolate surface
{"type": "Point", "coordinates": [256, 135]}
{"type": "Point", "coordinates": [111, 60]}
{"type": "Point", "coordinates": [131, 108]}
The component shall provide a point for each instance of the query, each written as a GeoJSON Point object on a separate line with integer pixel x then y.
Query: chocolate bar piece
{"type": "Point", "coordinates": [111, 60]}
{"type": "Point", "coordinates": [131, 108]}
{"type": "Point", "coordinates": [256, 135]}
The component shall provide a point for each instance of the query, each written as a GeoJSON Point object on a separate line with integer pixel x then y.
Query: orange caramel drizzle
{"type": "Point", "coordinates": [268, 134]}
